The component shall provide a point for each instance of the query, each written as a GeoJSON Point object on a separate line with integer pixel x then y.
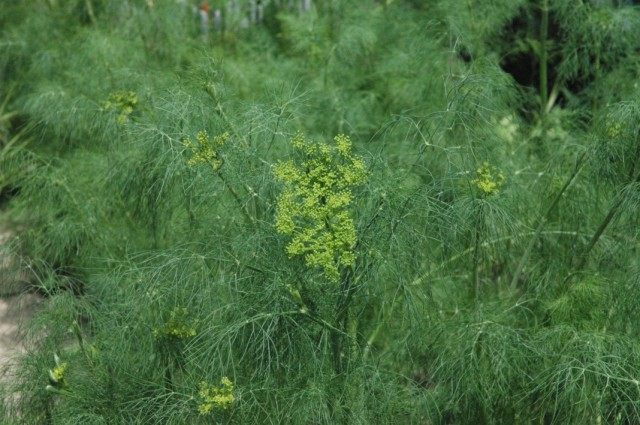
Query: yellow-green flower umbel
{"type": "Point", "coordinates": [58, 373]}
{"type": "Point", "coordinates": [314, 206]}
{"type": "Point", "coordinates": [178, 326]}
{"type": "Point", "coordinates": [123, 102]}
{"type": "Point", "coordinates": [205, 151]}
{"type": "Point", "coordinates": [489, 180]}
{"type": "Point", "coordinates": [215, 397]}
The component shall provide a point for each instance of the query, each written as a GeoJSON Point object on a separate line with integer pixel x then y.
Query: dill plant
{"type": "Point", "coordinates": [198, 270]}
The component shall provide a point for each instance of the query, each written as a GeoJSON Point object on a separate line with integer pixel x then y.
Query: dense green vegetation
{"type": "Point", "coordinates": [371, 212]}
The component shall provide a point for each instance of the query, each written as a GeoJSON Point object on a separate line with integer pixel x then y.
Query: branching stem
{"type": "Point", "coordinates": [634, 176]}
{"type": "Point", "coordinates": [211, 91]}
{"type": "Point", "coordinates": [236, 197]}
{"type": "Point", "coordinates": [542, 221]}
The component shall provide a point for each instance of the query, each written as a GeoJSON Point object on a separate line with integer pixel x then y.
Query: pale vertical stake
{"type": "Point", "coordinates": [260, 11]}
{"type": "Point", "coordinates": [306, 5]}
{"type": "Point", "coordinates": [253, 12]}
{"type": "Point", "coordinates": [203, 14]}
{"type": "Point", "coordinates": [217, 20]}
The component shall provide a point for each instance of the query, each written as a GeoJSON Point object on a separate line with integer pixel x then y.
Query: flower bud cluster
{"type": "Point", "coordinates": [314, 206]}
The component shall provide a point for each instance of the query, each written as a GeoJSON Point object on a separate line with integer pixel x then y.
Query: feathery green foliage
{"type": "Point", "coordinates": [465, 251]}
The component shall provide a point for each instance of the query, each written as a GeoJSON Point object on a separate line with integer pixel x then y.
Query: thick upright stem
{"type": "Point", "coordinates": [475, 281]}
{"type": "Point", "coordinates": [383, 320]}
{"type": "Point", "coordinates": [90, 12]}
{"type": "Point", "coordinates": [543, 60]}
{"type": "Point", "coordinates": [598, 233]}
{"type": "Point", "coordinates": [542, 221]}
{"type": "Point", "coordinates": [600, 230]}
{"type": "Point", "coordinates": [236, 197]}
{"type": "Point", "coordinates": [634, 176]}
{"type": "Point", "coordinates": [475, 264]}
{"type": "Point", "coordinates": [342, 319]}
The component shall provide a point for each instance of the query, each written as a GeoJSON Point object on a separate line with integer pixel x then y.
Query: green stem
{"type": "Point", "coordinates": [475, 277]}
{"type": "Point", "coordinates": [342, 318]}
{"type": "Point", "coordinates": [381, 322]}
{"type": "Point", "coordinates": [543, 60]}
{"type": "Point", "coordinates": [385, 318]}
{"type": "Point", "coordinates": [92, 15]}
{"type": "Point", "coordinates": [236, 197]}
{"type": "Point", "coordinates": [598, 233]}
{"type": "Point", "coordinates": [633, 177]}
{"type": "Point", "coordinates": [190, 214]}
{"type": "Point", "coordinates": [188, 205]}
{"type": "Point", "coordinates": [542, 221]}
{"type": "Point", "coordinates": [212, 92]}
{"type": "Point", "coordinates": [422, 277]}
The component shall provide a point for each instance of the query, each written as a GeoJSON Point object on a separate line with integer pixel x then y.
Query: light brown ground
{"type": "Point", "coordinates": [14, 312]}
{"type": "Point", "coordinates": [17, 306]}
